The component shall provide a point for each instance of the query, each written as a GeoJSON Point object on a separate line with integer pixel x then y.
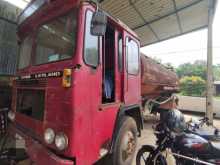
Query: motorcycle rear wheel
{"type": "Point", "coordinates": [145, 156]}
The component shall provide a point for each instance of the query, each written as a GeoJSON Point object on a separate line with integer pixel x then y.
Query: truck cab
{"type": "Point", "coordinates": [77, 95]}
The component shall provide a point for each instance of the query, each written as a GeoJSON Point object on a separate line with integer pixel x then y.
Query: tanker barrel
{"type": "Point", "coordinates": [156, 78]}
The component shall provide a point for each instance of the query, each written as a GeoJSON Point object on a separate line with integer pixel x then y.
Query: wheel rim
{"type": "Point", "coordinates": [128, 145]}
{"type": "Point", "coordinates": [147, 158]}
{"type": "Point", "coordinates": [144, 157]}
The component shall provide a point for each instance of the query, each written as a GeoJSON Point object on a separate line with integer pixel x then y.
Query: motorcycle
{"type": "Point", "coordinates": [202, 128]}
{"type": "Point", "coordinates": [181, 145]}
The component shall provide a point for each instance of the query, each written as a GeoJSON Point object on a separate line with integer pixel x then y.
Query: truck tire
{"type": "Point", "coordinates": [126, 142]}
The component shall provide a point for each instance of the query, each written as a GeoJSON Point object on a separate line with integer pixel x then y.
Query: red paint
{"type": "Point", "coordinates": [77, 111]}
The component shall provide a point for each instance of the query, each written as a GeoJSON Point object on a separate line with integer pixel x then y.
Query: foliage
{"type": "Point", "coordinates": [193, 76]}
{"type": "Point", "coordinates": [198, 68]}
{"type": "Point", "coordinates": [192, 86]}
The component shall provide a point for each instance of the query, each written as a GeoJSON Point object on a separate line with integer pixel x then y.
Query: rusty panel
{"type": "Point", "coordinates": [155, 78]}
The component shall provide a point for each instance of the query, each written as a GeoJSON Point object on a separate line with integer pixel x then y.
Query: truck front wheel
{"type": "Point", "coordinates": [126, 142]}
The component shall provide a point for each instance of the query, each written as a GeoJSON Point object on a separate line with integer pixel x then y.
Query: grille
{"type": "Point", "coordinates": [31, 83]}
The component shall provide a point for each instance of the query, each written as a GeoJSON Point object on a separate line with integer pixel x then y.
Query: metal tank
{"type": "Point", "coordinates": [156, 79]}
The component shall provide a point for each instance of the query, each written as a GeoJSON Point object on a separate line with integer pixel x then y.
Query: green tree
{"type": "Point", "coordinates": [192, 86]}
{"type": "Point", "coordinates": [198, 68]}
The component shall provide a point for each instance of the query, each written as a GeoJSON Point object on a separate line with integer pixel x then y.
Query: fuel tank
{"type": "Point", "coordinates": [193, 144]}
{"type": "Point", "coordinates": [156, 79]}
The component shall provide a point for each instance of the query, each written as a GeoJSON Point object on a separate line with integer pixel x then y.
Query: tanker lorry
{"type": "Point", "coordinates": [158, 86]}
{"type": "Point", "coordinates": [81, 83]}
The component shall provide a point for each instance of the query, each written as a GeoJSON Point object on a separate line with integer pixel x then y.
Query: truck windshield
{"type": "Point", "coordinates": [56, 40]}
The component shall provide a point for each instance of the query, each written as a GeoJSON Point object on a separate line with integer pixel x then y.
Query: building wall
{"type": "Point", "coordinates": [8, 41]}
{"type": "Point", "coordinates": [8, 50]}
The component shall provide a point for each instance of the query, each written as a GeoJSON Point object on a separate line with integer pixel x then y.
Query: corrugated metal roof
{"type": "Point", "coordinates": [158, 20]}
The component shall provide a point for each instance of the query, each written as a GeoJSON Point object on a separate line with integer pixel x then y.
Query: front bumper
{"type": "Point", "coordinates": [38, 154]}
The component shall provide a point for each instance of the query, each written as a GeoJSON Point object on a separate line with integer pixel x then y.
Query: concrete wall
{"type": "Point", "coordinates": [197, 104]}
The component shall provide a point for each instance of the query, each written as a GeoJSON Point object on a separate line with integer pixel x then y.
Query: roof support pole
{"type": "Point", "coordinates": [210, 90]}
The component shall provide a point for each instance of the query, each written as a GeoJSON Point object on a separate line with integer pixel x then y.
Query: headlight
{"type": "Point", "coordinates": [11, 115]}
{"type": "Point", "coordinates": [49, 136]}
{"type": "Point", "coordinates": [61, 141]}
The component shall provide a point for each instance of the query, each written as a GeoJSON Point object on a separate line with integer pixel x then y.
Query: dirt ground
{"type": "Point", "coordinates": [147, 134]}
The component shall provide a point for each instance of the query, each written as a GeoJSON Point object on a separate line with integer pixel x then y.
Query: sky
{"type": "Point", "coordinates": [183, 49]}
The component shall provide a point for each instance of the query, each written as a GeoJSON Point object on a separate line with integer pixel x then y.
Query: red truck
{"type": "Point", "coordinates": [81, 83]}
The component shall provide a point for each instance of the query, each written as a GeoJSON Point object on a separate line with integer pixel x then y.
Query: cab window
{"type": "Point", "coordinates": [120, 48]}
{"type": "Point", "coordinates": [132, 56]}
{"type": "Point", "coordinates": [90, 43]}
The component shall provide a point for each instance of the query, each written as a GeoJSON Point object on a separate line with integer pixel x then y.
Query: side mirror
{"type": "Point", "coordinates": [98, 23]}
